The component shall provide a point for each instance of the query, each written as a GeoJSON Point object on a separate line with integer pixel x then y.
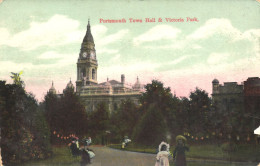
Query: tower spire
{"type": "Point", "coordinates": [88, 27]}
{"type": "Point", "coordinates": [88, 37]}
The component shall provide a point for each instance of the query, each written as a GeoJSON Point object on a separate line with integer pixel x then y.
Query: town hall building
{"type": "Point", "coordinates": [112, 92]}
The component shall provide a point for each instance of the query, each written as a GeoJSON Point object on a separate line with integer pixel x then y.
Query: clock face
{"type": "Point", "coordinates": [84, 54]}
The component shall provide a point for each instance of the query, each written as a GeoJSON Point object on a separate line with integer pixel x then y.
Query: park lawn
{"type": "Point", "coordinates": [61, 156]}
{"type": "Point", "coordinates": [248, 153]}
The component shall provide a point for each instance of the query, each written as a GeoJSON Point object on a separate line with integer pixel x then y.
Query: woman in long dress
{"type": "Point", "coordinates": [179, 152]}
{"type": "Point", "coordinates": [162, 155]}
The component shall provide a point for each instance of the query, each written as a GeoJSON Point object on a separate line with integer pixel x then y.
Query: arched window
{"type": "Point", "coordinates": [93, 74]}
{"type": "Point", "coordinates": [83, 71]}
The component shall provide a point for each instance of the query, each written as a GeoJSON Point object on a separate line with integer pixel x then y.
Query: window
{"type": "Point", "coordinates": [83, 71]}
{"type": "Point", "coordinates": [93, 74]}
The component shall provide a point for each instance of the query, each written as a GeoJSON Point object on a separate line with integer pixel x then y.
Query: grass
{"type": "Point", "coordinates": [244, 153]}
{"type": "Point", "coordinates": [61, 156]}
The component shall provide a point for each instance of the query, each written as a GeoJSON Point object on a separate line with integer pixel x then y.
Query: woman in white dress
{"type": "Point", "coordinates": [162, 155]}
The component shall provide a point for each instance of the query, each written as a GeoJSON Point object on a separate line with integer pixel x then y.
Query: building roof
{"type": "Point", "coordinates": [112, 82]}
{"type": "Point", "coordinates": [52, 89]}
{"type": "Point", "coordinates": [70, 85]}
{"type": "Point", "coordinates": [215, 81]}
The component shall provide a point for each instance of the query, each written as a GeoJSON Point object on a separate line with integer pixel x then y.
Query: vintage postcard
{"type": "Point", "coordinates": [123, 83]}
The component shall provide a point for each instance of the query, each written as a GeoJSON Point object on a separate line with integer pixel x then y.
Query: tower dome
{"type": "Point", "coordinates": [52, 89]}
{"type": "Point", "coordinates": [70, 85]}
{"type": "Point", "coordinates": [215, 81]}
{"type": "Point", "coordinates": [137, 84]}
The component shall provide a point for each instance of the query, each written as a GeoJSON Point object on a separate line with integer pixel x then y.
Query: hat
{"type": "Point", "coordinates": [180, 137]}
{"type": "Point", "coordinates": [164, 144]}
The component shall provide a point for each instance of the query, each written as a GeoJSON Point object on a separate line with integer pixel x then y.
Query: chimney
{"type": "Point", "coordinates": [122, 78]}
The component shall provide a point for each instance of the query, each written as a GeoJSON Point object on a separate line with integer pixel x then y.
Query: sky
{"type": "Point", "coordinates": [43, 39]}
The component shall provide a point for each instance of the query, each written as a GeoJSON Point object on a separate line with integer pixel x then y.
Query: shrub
{"type": "Point", "coordinates": [229, 147]}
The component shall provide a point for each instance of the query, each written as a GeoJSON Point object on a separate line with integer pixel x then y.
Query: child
{"type": "Point", "coordinates": [162, 155]}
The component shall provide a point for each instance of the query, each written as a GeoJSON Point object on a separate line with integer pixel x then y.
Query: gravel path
{"type": "Point", "coordinates": [112, 157]}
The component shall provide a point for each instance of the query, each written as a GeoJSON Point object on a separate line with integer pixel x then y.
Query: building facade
{"type": "Point", "coordinates": [227, 97]}
{"type": "Point", "coordinates": [252, 99]}
{"type": "Point", "coordinates": [252, 86]}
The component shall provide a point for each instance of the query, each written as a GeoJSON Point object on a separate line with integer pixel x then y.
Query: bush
{"type": "Point", "coordinates": [229, 147]}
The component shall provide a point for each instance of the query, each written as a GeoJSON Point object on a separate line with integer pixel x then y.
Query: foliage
{"type": "Point", "coordinates": [99, 122]}
{"type": "Point", "coordinates": [199, 111]}
{"type": "Point", "coordinates": [160, 97]}
{"type": "Point", "coordinates": [125, 116]}
{"type": "Point", "coordinates": [152, 127]}
{"type": "Point", "coordinates": [17, 78]}
{"type": "Point", "coordinates": [65, 115]}
{"type": "Point", "coordinates": [156, 94]}
{"type": "Point", "coordinates": [22, 139]}
{"type": "Point", "coordinates": [228, 118]}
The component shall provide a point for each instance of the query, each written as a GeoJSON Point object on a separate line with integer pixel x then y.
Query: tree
{"type": "Point", "coordinates": [166, 103]}
{"type": "Point", "coordinates": [123, 118]}
{"type": "Point", "coordinates": [17, 78]}
{"type": "Point", "coordinates": [99, 122]}
{"type": "Point", "coordinates": [182, 115]}
{"type": "Point", "coordinates": [156, 94]}
{"type": "Point", "coordinates": [152, 127]}
{"type": "Point", "coordinates": [51, 107]}
{"type": "Point", "coordinates": [199, 111]}
{"type": "Point", "coordinates": [18, 131]}
{"type": "Point", "coordinates": [65, 115]}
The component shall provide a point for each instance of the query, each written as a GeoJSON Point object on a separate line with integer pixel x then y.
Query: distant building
{"type": "Point", "coordinates": [240, 100]}
{"type": "Point", "coordinates": [252, 86]}
{"type": "Point", "coordinates": [252, 97]}
{"type": "Point", "coordinates": [227, 97]}
{"type": "Point", "coordinates": [90, 91]}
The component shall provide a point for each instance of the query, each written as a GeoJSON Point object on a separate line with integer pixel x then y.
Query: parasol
{"type": "Point", "coordinates": [257, 131]}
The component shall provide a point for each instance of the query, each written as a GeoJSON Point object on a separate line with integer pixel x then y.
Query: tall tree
{"type": "Point", "coordinates": [99, 122]}
{"type": "Point", "coordinates": [66, 114]}
{"type": "Point", "coordinates": [152, 127]}
{"type": "Point", "coordinates": [160, 99]}
{"type": "Point", "coordinates": [199, 111]}
{"type": "Point", "coordinates": [21, 139]}
{"type": "Point", "coordinates": [123, 118]}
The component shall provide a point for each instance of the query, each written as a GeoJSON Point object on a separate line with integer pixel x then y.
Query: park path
{"type": "Point", "coordinates": [112, 157]}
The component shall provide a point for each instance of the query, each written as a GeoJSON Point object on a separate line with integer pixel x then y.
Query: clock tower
{"type": "Point", "coordinates": [87, 63]}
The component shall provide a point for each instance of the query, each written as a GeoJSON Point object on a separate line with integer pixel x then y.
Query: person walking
{"type": "Point", "coordinates": [74, 147]}
{"type": "Point", "coordinates": [179, 152]}
{"type": "Point", "coordinates": [162, 155]}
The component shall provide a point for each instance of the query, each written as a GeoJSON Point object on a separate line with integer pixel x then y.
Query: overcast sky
{"type": "Point", "coordinates": [43, 39]}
